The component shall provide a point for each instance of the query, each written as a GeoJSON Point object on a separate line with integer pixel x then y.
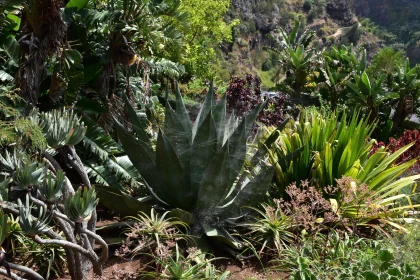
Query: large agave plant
{"type": "Point", "coordinates": [199, 168]}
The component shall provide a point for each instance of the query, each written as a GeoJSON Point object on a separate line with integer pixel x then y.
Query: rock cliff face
{"type": "Point", "coordinates": [341, 10]}
{"type": "Point", "coordinates": [377, 10]}
{"type": "Point", "coordinates": [382, 11]}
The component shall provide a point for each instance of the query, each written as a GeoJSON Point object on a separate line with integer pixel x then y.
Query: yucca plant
{"type": "Point", "coordinates": [52, 188]}
{"type": "Point", "coordinates": [79, 207]}
{"type": "Point", "coordinates": [199, 168]}
{"type": "Point", "coordinates": [29, 224]}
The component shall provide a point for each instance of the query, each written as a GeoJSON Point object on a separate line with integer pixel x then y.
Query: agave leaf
{"type": "Point", "coordinates": [268, 142]}
{"type": "Point", "coordinates": [237, 153]}
{"type": "Point", "coordinates": [140, 158]}
{"type": "Point", "coordinates": [121, 202]}
{"type": "Point", "coordinates": [182, 112]}
{"type": "Point", "coordinates": [219, 115]}
{"type": "Point", "coordinates": [215, 181]}
{"type": "Point", "coordinates": [176, 191]}
{"type": "Point", "coordinates": [179, 135]}
{"type": "Point", "coordinates": [182, 215]}
{"type": "Point", "coordinates": [250, 194]}
{"type": "Point", "coordinates": [209, 102]}
{"type": "Point", "coordinates": [139, 126]}
{"type": "Point", "coordinates": [203, 150]}
{"type": "Point", "coordinates": [222, 235]}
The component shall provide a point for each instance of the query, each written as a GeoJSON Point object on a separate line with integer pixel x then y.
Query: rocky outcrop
{"type": "Point", "coordinates": [377, 10]}
{"type": "Point", "coordinates": [341, 10]}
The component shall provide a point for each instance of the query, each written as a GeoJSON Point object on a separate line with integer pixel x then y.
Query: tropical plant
{"type": "Point", "coordinates": [271, 229]}
{"type": "Point", "coordinates": [79, 208]}
{"type": "Point", "coordinates": [340, 65]}
{"type": "Point", "coordinates": [57, 200]}
{"type": "Point", "coordinates": [340, 256]}
{"type": "Point", "coordinates": [297, 58]}
{"type": "Point", "coordinates": [49, 260]}
{"type": "Point", "coordinates": [330, 149]}
{"type": "Point", "coordinates": [155, 234]}
{"type": "Point", "coordinates": [194, 266]}
{"type": "Point", "coordinates": [195, 167]}
{"type": "Point", "coordinates": [405, 84]}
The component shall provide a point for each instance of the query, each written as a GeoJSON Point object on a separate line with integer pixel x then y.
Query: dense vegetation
{"type": "Point", "coordinates": [104, 153]}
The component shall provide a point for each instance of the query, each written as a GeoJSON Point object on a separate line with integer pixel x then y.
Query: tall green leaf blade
{"type": "Point", "coordinates": [203, 150]}
{"type": "Point", "coordinates": [139, 126]}
{"type": "Point", "coordinates": [140, 158]}
{"type": "Point", "coordinates": [79, 4]}
{"type": "Point", "coordinates": [209, 102]}
{"type": "Point", "coordinates": [181, 112]}
{"type": "Point", "coordinates": [215, 181]}
{"type": "Point", "coordinates": [250, 195]}
{"type": "Point", "coordinates": [175, 190]}
{"type": "Point", "coordinates": [219, 114]}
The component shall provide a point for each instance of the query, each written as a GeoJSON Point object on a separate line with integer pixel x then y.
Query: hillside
{"type": "Point", "coordinates": [369, 23]}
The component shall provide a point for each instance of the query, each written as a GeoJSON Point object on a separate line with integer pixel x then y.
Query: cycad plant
{"type": "Point", "coordinates": [199, 168]}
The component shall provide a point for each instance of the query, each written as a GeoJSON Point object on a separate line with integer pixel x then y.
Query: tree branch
{"type": "Point", "coordinates": [26, 270]}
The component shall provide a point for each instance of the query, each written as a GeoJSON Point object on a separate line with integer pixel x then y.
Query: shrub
{"type": "Point", "coordinates": [307, 5]}
{"type": "Point", "coordinates": [245, 94]}
{"type": "Point", "coordinates": [408, 137]}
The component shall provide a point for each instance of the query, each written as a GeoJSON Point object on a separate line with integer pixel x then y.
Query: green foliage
{"type": "Point", "coordinates": [194, 266]}
{"type": "Point", "coordinates": [340, 256]}
{"type": "Point", "coordinates": [79, 207]}
{"type": "Point", "coordinates": [157, 233]}
{"type": "Point", "coordinates": [330, 148]}
{"type": "Point", "coordinates": [29, 174]}
{"type": "Point", "coordinates": [405, 249]}
{"type": "Point", "coordinates": [52, 188]}
{"type": "Point", "coordinates": [30, 225]}
{"type": "Point", "coordinates": [195, 166]}
{"type": "Point", "coordinates": [271, 229]}
{"type": "Point", "coordinates": [202, 23]}
{"type": "Point", "coordinates": [61, 128]}
{"type": "Point", "coordinates": [386, 60]}
{"type": "Point", "coordinates": [297, 58]}
{"type": "Point", "coordinates": [48, 260]}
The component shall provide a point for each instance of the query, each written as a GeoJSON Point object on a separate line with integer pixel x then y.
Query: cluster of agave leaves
{"type": "Point", "coordinates": [34, 180]}
{"type": "Point", "coordinates": [197, 170]}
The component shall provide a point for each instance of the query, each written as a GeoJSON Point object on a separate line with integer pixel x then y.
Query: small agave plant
{"type": "Point", "coordinates": [25, 172]}
{"type": "Point", "coordinates": [79, 207]}
{"type": "Point", "coordinates": [60, 128]}
{"type": "Point", "coordinates": [29, 174]}
{"type": "Point", "coordinates": [199, 169]}
{"type": "Point", "coordinates": [52, 188]}
{"type": "Point", "coordinates": [29, 224]}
